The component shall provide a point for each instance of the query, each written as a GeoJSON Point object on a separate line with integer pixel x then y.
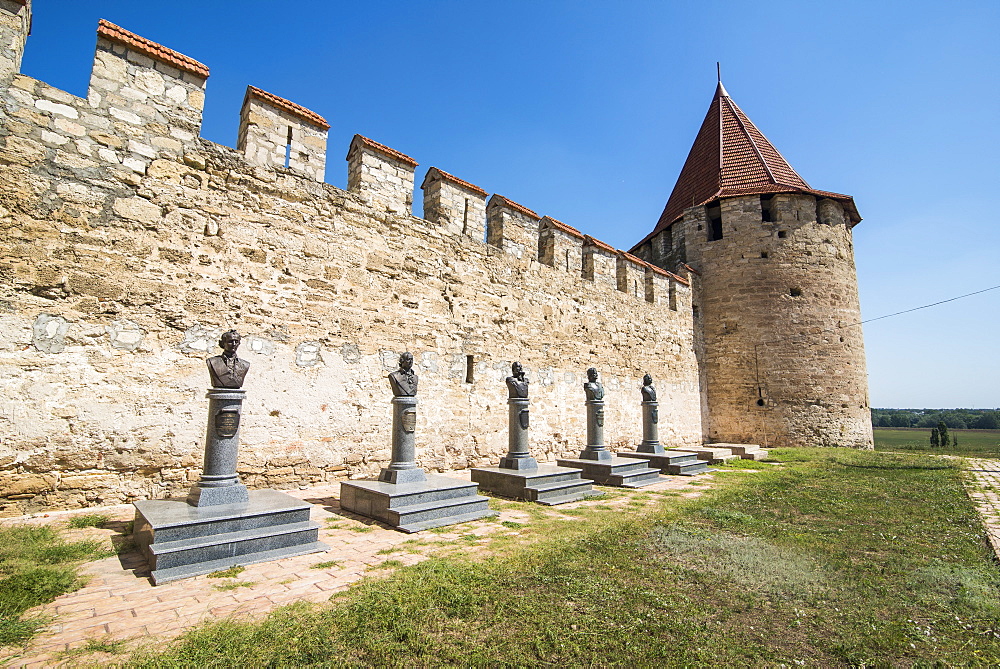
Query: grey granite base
{"type": "Point", "coordinates": [201, 495]}
{"type": "Point", "coordinates": [546, 484]}
{"type": "Point", "coordinates": [678, 463]}
{"type": "Point", "coordinates": [412, 507]}
{"type": "Point", "coordinates": [179, 540]}
{"type": "Point", "coordinates": [617, 472]}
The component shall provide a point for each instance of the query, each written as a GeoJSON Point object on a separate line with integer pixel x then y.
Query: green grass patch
{"type": "Point", "coordinates": [836, 558]}
{"type": "Point", "coordinates": [512, 524]}
{"type": "Point", "coordinates": [36, 566]}
{"type": "Point", "coordinates": [232, 572]}
{"type": "Point", "coordinates": [232, 585]}
{"type": "Point", "coordinates": [971, 443]}
{"type": "Point", "coordinates": [89, 520]}
{"type": "Point", "coordinates": [387, 564]}
{"type": "Point", "coordinates": [327, 565]}
{"type": "Point", "coordinates": [362, 529]}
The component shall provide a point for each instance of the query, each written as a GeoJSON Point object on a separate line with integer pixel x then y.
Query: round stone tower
{"type": "Point", "coordinates": [777, 316]}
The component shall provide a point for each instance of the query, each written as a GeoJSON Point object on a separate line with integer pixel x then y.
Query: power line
{"type": "Point", "coordinates": [878, 318]}
{"type": "Point", "coordinates": [933, 304]}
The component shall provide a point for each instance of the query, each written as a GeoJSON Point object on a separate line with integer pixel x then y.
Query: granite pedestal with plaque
{"type": "Point", "coordinates": [596, 462]}
{"type": "Point", "coordinates": [677, 462]}
{"type": "Point", "coordinates": [404, 496]}
{"type": "Point", "coordinates": [519, 475]}
{"type": "Point", "coordinates": [221, 524]}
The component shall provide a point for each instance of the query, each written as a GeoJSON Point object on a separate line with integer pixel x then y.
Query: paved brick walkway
{"type": "Point", "coordinates": [119, 602]}
{"type": "Point", "coordinates": [984, 490]}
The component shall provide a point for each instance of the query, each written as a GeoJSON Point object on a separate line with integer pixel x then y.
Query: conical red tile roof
{"type": "Point", "coordinates": [731, 157]}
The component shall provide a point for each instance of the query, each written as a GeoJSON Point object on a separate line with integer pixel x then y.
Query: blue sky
{"type": "Point", "coordinates": [585, 111]}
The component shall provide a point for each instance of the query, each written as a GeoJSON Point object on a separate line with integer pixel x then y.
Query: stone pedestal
{"type": "Point", "coordinates": [219, 483]}
{"type": "Point", "coordinates": [650, 429]}
{"type": "Point", "coordinates": [519, 475]}
{"type": "Point", "coordinates": [595, 449]}
{"type": "Point", "coordinates": [403, 467]}
{"type": "Point", "coordinates": [221, 524]}
{"type": "Point", "coordinates": [518, 456]}
{"type": "Point", "coordinates": [179, 540]}
{"type": "Point", "coordinates": [404, 496]}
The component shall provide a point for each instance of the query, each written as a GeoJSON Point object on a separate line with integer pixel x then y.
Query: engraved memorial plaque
{"type": "Point", "coordinates": [409, 420]}
{"type": "Point", "coordinates": [654, 415]}
{"type": "Point", "coordinates": [599, 416]}
{"type": "Point", "coordinates": [523, 418]}
{"type": "Point", "coordinates": [227, 424]}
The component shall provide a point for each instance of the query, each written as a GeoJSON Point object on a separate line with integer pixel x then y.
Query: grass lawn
{"type": "Point", "coordinates": [36, 566]}
{"type": "Point", "coordinates": [975, 443]}
{"type": "Point", "coordinates": [833, 557]}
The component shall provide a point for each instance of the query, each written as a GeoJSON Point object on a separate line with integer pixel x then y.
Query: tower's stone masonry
{"type": "Point", "coordinates": [128, 245]}
{"type": "Point", "coordinates": [779, 315]}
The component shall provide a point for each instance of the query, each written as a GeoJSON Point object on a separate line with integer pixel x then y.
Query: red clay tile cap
{"type": "Point", "coordinates": [510, 204]}
{"type": "Point", "coordinates": [632, 258]}
{"type": "Point", "coordinates": [731, 157]}
{"type": "Point", "coordinates": [383, 149]}
{"type": "Point", "coordinates": [295, 110]}
{"type": "Point", "coordinates": [599, 244]}
{"type": "Point", "coordinates": [559, 225]}
{"type": "Point", "coordinates": [452, 178]}
{"type": "Point", "coordinates": [110, 31]}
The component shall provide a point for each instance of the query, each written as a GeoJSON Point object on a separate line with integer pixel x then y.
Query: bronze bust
{"type": "Point", "coordinates": [593, 387]}
{"type": "Point", "coordinates": [648, 391]}
{"type": "Point", "coordinates": [227, 370]}
{"type": "Point", "coordinates": [404, 380]}
{"type": "Point", "coordinates": [517, 382]}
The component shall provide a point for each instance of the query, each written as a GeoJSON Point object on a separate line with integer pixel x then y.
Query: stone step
{"type": "Point", "coordinates": [677, 463]}
{"type": "Point", "coordinates": [535, 485]}
{"type": "Point", "coordinates": [171, 520]}
{"type": "Point", "coordinates": [712, 454]}
{"type": "Point", "coordinates": [617, 472]}
{"type": "Point", "coordinates": [196, 569]}
{"type": "Point", "coordinates": [442, 522]}
{"type": "Point", "coordinates": [415, 506]}
{"type": "Point", "coordinates": [548, 491]}
{"type": "Point", "coordinates": [746, 451]}
{"type": "Point", "coordinates": [410, 514]}
{"type": "Point", "coordinates": [168, 554]}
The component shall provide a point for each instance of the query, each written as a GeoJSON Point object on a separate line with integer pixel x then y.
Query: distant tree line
{"type": "Point", "coordinates": [955, 419]}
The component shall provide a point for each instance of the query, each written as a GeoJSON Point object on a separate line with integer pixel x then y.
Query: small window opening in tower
{"type": "Point", "coordinates": [694, 310]}
{"type": "Point", "coordinates": [782, 234]}
{"type": "Point", "coordinates": [714, 223]}
{"type": "Point", "coordinates": [567, 260]}
{"type": "Point", "coordinates": [470, 366]}
{"type": "Point", "coordinates": [761, 402]}
{"type": "Point", "coordinates": [288, 148]}
{"type": "Point", "coordinates": [635, 287]}
{"type": "Point", "coordinates": [672, 298]}
{"type": "Point", "coordinates": [795, 291]}
{"type": "Point", "coordinates": [465, 217]}
{"type": "Point", "coordinates": [763, 254]}
{"type": "Point", "coordinates": [765, 208]}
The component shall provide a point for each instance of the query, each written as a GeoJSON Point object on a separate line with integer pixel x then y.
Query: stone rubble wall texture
{"type": "Point", "coordinates": [783, 354]}
{"type": "Point", "coordinates": [263, 139]}
{"type": "Point", "coordinates": [128, 245]}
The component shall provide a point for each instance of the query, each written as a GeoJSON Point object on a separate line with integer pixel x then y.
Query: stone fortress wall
{"type": "Point", "coordinates": [128, 244]}
{"type": "Point", "coordinates": [777, 318]}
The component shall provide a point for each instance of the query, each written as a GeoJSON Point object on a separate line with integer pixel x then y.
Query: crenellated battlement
{"type": "Point", "coordinates": [145, 104]}
{"type": "Point", "coordinates": [130, 243]}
